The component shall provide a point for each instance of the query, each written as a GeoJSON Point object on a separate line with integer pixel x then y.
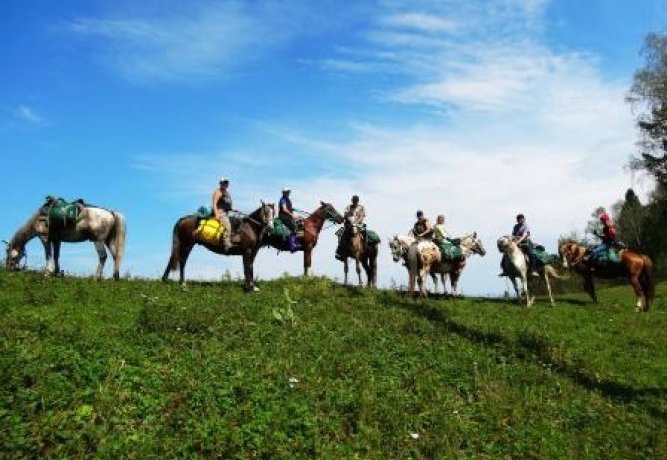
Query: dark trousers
{"type": "Point", "coordinates": [288, 221]}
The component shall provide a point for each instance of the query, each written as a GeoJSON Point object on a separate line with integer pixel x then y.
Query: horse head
{"type": "Point", "coordinates": [13, 256]}
{"type": "Point", "coordinates": [397, 248]}
{"type": "Point", "coordinates": [267, 213]}
{"type": "Point", "coordinates": [330, 213]}
{"type": "Point", "coordinates": [570, 252]}
{"type": "Point", "coordinates": [474, 243]}
{"type": "Point", "coordinates": [505, 244]}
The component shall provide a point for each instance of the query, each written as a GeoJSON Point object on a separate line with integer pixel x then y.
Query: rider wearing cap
{"type": "Point", "coordinates": [286, 215]}
{"type": "Point", "coordinates": [608, 237]}
{"type": "Point", "coordinates": [222, 204]}
{"type": "Point", "coordinates": [355, 215]}
{"type": "Point", "coordinates": [422, 228]}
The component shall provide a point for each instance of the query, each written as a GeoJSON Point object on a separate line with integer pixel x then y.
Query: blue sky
{"type": "Point", "coordinates": [475, 109]}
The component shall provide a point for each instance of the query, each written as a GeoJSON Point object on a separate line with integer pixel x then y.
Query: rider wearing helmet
{"type": "Point", "coordinates": [608, 237]}
{"type": "Point", "coordinates": [222, 204]}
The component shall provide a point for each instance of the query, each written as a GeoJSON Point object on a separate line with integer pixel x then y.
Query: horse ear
{"type": "Point", "coordinates": [474, 234]}
{"type": "Point", "coordinates": [262, 201]}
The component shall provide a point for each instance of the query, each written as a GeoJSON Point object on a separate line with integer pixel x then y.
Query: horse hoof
{"type": "Point", "coordinates": [255, 289]}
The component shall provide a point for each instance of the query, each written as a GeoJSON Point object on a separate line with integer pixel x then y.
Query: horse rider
{"type": "Point", "coordinates": [608, 237]}
{"type": "Point", "coordinates": [521, 236]}
{"type": "Point", "coordinates": [222, 204]}
{"type": "Point", "coordinates": [355, 214]}
{"type": "Point", "coordinates": [439, 232]}
{"type": "Point", "coordinates": [286, 215]}
{"type": "Point", "coordinates": [422, 228]}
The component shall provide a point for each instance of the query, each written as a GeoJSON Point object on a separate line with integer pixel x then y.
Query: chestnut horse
{"type": "Point", "coordinates": [637, 268]}
{"type": "Point", "coordinates": [246, 242]}
{"type": "Point", "coordinates": [363, 253]}
{"type": "Point", "coordinates": [312, 226]}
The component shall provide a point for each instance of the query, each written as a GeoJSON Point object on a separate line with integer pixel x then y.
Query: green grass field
{"type": "Point", "coordinates": [309, 369]}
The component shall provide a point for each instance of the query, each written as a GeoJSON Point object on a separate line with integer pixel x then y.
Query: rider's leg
{"type": "Point", "coordinates": [224, 220]}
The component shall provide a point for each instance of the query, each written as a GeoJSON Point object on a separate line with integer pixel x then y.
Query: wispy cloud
{"type": "Point", "coordinates": [26, 113]}
{"type": "Point", "coordinates": [199, 40]}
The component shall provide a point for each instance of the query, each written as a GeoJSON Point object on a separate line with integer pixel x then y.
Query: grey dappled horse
{"type": "Point", "coordinates": [105, 228]}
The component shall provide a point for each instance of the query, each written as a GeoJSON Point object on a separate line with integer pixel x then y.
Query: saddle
{"type": "Point", "coordinates": [62, 214]}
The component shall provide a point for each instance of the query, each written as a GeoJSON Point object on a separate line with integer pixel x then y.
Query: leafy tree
{"type": "Point", "coordinates": [648, 94]}
{"type": "Point", "coordinates": [630, 218]}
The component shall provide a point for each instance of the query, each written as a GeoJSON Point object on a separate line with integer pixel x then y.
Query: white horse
{"type": "Point", "coordinates": [470, 244]}
{"type": "Point", "coordinates": [418, 257]}
{"type": "Point", "coordinates": [518, 268]}
{"type": "Point", "coordinates": [105, 228]}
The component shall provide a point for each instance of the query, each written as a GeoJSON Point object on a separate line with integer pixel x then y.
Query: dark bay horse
{"type": "Point", "coordinates": [105, 228]}
{"type": "Point", "coordinates": [364, 254]}
{"type": "Point", "coordinates": [246, 242]}
{"type": "Point", "coordinates": [312, 226]}
{"type": "Point", "coordinates": [637, 268]}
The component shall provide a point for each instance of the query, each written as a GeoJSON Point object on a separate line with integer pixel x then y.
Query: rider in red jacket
{"type": "Point", "coordinates": [608, 236]}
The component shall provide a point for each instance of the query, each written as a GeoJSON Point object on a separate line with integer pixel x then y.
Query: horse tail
{"type": "Point", "coordinates": [647, 281]}
{"type": "Point", "coordinates": [175, 251]}
{"type": "Point", "coordinates": [118, 240]}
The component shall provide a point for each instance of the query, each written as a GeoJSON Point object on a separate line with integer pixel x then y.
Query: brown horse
{"type": "Point", "coordinates": [637, 268]}
{"type": "Point", "coordinates": [247, 241]}
{"type": "Point", "coordinates": [312, 226]}
{"type": "Point", "coordinates": [364, 254]}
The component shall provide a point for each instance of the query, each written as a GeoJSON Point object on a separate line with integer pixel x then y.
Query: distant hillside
{"type": "Point", "coordinates": [310, 369]}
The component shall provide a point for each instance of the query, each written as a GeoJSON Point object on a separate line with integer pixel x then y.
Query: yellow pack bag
{"type": "Point", "coordinates": [210, 230]}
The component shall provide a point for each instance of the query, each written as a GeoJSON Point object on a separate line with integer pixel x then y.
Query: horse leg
{"type": "Point", "coordinates": [367, 269]}
{"type": "Point", "coordinates": [358, 266]}
{"type": "Point", "coordinates": [546, 280]}
{"type": "Point", "coordinates": [345, 269]}
{"type": "Point", "coordinates": [56, 257]}
{"type": "Point", "coordinates": [516, 288]}
{"type": "Point", "coordinates": [454, 281]}
{"type": "Point", "coordinates": [183, 255]}
{"type": "Point", "coordinates": [529, 300]}
{"type": "Point", "coordinates": [48, 255]}
{"type": "Point", "coordinates": [248, 260]}
{"type": "Point", "coordinates": [411, 282]}
{"type": "Point", "coordinates": [307, 254]}
{"type": "Point", "coordinates": [589, 287]}
{"type": "Point", "coordinates": [117, 256]}
{"type": "Point", "coordinates": [639, 293]}
{"type": "Point", "coordinates": [101, 258]}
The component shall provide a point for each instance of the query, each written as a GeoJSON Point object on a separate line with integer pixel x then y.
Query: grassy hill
{"type": "Point", "coordinates": [309, 369]}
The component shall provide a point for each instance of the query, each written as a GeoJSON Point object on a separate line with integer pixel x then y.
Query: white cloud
{"type": "Point", "coordinates": [27, 114]}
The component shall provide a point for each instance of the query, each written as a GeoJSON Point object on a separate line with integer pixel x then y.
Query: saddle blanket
{"type": "Point", "coordinates": [450, 251]}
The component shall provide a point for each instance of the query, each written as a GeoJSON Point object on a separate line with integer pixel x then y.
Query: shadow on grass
{"type": "Point", "coordinates": [534, 348]}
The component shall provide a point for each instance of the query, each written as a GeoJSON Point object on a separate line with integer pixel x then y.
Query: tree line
{"type": "Point", "coordinates": [642, 226]}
